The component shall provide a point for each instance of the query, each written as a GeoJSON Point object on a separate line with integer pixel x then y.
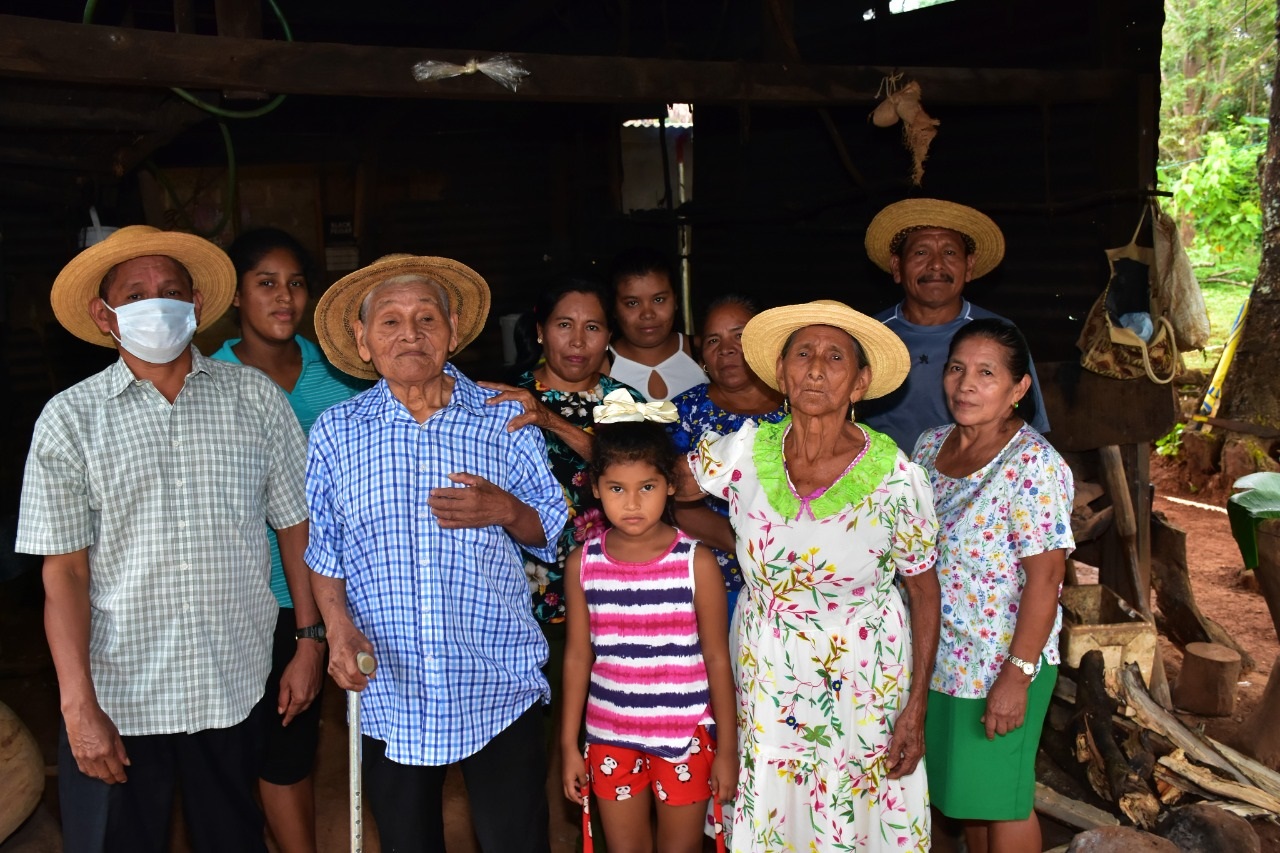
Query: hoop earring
{"type": "Point", "coordinates": [853, 415]}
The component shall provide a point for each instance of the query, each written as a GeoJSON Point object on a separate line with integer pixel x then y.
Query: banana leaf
{"type": "Point", "coordinates": [1246, 509]}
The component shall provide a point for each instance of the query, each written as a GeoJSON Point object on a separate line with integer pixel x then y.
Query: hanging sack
{"type": "Point", "coordinates": [1127, 334]}
{"type": "Point", "coordinates": [1175, 281]}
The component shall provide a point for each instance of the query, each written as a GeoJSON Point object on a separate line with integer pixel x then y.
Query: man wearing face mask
{"type": "Point", "coordinates": [146, 489]}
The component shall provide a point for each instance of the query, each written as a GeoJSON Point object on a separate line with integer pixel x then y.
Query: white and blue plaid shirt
{"type": "Point", "coordinates": [448, 611]}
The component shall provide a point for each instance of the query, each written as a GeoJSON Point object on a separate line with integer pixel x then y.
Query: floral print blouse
{"type": "Point", "coordinates": [1017, 506]}
{"type": "Point", "coordinates": [546, 581]}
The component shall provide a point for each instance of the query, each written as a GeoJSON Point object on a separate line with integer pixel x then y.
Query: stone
{"type": "Point", "coordinates": [1120, 839]}
{"type": "Point", "coordinates": [1205, 828]}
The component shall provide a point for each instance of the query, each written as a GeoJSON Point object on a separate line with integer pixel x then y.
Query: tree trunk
{"type": "Point", "coordinates": [1251, 391]}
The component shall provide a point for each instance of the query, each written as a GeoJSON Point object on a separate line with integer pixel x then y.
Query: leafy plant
{"type": "Point", "coordinates": [1220, 193]}
{"type": "Point", "coordinates": [1171, 442]}
{"type": "Point", "coordinates": [1247, 509]}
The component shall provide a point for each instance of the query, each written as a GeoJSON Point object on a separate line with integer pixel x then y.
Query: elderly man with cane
{"type": "Point", "coordinates": [421, 502]}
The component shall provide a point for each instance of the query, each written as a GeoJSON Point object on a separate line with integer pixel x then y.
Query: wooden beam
{"type": "Point", "coordinates": [38, 49]}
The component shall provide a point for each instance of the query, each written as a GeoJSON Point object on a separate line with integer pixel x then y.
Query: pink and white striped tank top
{"type": "Point", "coordinates": [649, 683]}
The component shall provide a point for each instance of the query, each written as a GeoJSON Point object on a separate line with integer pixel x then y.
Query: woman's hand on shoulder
{"type": "Point", "coordinates": [535, 413]}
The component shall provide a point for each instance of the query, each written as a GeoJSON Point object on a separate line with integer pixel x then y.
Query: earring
{"type": "Point", "coordinates": [786, 406]}
{"type": "Point", "coordinates": [1015, 404]}
{"type": "Point", "coordinates": [853, 418]}
{"type": "Point", "coordinates": [539, 338]}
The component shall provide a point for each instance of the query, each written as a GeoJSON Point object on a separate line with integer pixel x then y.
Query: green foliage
{"type": "Point", "coordinates": [1246, 509]}
{"type": "Point", "coordinates": [1170, 443]}
{"type": "Point", "coordinates": [1217, 60]}
{"type": "Point", "coordinates": [1220, 194]}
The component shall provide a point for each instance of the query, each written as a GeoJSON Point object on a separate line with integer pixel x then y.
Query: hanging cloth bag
{"type": "Point", "coordinates": [1127, 334]}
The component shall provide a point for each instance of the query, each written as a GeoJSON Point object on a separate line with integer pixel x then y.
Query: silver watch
{"type": "Point", "coordinates": [1028, 668]}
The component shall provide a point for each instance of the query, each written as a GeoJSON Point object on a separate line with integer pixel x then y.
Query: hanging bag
{"type": "Point", "coordinates": [1127, 334]}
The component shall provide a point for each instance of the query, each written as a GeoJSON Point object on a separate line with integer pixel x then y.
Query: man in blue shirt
{"type": "Point", "coordinates": [423, 501]}
{"type": "Point", "coordinates": [932, 248]}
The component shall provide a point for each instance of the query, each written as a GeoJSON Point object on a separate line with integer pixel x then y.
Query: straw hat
{"type": "Point", "coordinates": [339, 307]}
{"type": "Point", "coordinates": [767, 332]}
{"type": "Point", "coordinates": [78, 283]}
{"type": "Point", "coordinates": [893, 223]}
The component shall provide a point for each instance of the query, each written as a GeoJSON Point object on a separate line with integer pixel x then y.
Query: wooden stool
{"type": "Point", "coordinates": [1207, 682]}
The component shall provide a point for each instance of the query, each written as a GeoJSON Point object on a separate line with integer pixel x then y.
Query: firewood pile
{"type": "Point", "coordinates": [1111, 756]}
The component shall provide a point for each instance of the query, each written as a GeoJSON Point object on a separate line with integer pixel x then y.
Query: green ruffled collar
{"type": "Point", "coordinates": [856, 483]}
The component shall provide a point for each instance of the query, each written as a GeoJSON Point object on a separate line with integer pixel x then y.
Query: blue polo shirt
{"type": "Point", "coordinates": [919, 403]}
{"type": "Point", "coordinates": [319, 386]}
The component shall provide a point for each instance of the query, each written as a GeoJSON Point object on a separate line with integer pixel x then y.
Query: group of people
{"type": "Point", "coordinates": [776, 575]}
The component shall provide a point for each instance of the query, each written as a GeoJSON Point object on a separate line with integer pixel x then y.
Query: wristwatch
{"type": "Point", "coordinates": [311, 632]}
{"type": "Point", "coordinates": [1028, 668]}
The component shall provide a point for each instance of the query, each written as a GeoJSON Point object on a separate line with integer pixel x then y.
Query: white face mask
{"type": "Point", "coordinates": [155, 330]}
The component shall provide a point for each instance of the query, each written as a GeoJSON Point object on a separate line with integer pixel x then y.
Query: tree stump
{"type": "Point", "coordinates": [21, 772]}
{"type": "Point", "coordinates": [1207, 682]}
{"type": "Point", "coordinates": [1259, 735]}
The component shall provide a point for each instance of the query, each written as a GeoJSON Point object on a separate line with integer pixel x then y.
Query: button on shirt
{"type": "Point", "coordinates": [447, 611]}
{"type": "Point", "coordinates": [170, 500]}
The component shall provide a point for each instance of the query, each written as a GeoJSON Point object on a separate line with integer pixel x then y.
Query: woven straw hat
{"type": "Point", "coordinates": [339, 307]}
{"type": "Point", "coordinates": [896, 220]}
{"type": "Point", "coordinates": [767, 332]}
{"type": "Point", "coordinates": [78, 283]}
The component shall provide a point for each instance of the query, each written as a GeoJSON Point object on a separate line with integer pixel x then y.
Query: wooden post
{"type": "Point", "coordinates": [1259, 736]}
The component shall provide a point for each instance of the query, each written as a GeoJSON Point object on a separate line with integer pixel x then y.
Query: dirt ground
{"type": "Point", "coordinates": [28, 686]}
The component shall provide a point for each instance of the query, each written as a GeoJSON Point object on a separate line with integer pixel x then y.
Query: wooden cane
{"type": "Point", "coordinates": [366, 664]}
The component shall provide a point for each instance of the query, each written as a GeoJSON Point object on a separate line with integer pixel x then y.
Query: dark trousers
{"type": "Point", "coordinates": [506, 781]}
{"type": "Point", "coordinates": [216, 769]}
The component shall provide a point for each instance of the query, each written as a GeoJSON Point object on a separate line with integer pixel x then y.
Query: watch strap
{"type": "Point", "coordinates": [311, 632]}
{"type": "Point", "coordinates": [1028, 668]}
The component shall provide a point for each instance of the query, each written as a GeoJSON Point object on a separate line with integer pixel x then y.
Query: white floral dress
{"type": "Point", "coordinates": [824, 651]}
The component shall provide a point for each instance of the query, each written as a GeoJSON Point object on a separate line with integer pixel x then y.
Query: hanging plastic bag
{"type": "Point", "coordinates": [1176, 282]}
{"type": "Point", "coordinates": [501, 69]}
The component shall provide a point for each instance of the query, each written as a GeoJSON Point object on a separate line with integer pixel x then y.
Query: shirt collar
{"type": "Point", "coordinates": [120, 377]}
{"type": "Point", "coordinates": [380, 403]}
{"type": "Point", "coordinates": [963, 316]}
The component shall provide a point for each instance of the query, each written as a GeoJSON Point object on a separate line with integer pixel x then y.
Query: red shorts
{"type": "Point", "coordinates": [618, 773]}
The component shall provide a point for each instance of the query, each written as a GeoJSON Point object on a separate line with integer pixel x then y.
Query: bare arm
{"type": "Point", "coordinates": [906, 747]}
{"type": "Point", "coordinates": [345, 640]}
{"type": "Point", "coordinates": [95, 741]}
{"type": "Point", "coordinates": [705, 524]}
{"type": "Point", "coordinates": [481, 504]}
{"type": "Point", "coordinates": [710, 602]}
{"type": "Point", "coordinates": [576, 675]}
{"type": "Point", "coordinates": [1037, 611]}
{"type": "Point", "coordinates": [300, 682]}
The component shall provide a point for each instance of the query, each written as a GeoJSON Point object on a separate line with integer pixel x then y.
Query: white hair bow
{"type": "Point", "coordinates": [618, 406]}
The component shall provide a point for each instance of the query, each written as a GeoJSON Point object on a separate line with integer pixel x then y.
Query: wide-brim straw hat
{"type": "Point", "coordinates": [767, 332]}
{"type": "Point", "coordinates": [916, 213]}
{"type": "Point", "coordinates": [339, 307]}
{"type": "Point", "coordinates": [76, 286]}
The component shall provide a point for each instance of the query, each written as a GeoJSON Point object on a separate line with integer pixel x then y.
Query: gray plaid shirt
{"type": "Point", "coordinates": [170, 500]}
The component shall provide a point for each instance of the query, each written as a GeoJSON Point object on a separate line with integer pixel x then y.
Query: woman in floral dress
{"type": "Point", "coordinates": [827, 515]}
{"type": "Point", "coordinates": [1003, 498]}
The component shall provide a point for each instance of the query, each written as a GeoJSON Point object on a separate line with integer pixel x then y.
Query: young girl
{"type": "Point", "coordinates": [647, 650]}
{"type": "Point", "coordinates": [649, 354]}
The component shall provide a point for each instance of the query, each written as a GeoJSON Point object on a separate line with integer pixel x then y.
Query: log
{"type": "Point", "coordinates": [1071, 812]}
{"type": "Point", "coordinates": [1204, 778]}
{"type": "Point", "coordinates": [1110, 772]}
{"type": "Point", "coordinates": [1152, 716]}
{"type": "Point", "coordinates": [1180, 617]}
{"type": "Point", "coordinates": [1207, 681]}
{"type": "Point", "coordinates": [1127, 528]}
{"type": "Point", "coordinates": [1261, 775]}
{"type": "Point", "coordinates": [21, 772]}
{"type": "Point", "coordinates": [1259, 735]}
{"type": "Point", "coordinates": [1091, 527]}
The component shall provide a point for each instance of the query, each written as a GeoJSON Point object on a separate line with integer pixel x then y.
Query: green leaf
{"type": "Point", "coordinates": [1246, 509]}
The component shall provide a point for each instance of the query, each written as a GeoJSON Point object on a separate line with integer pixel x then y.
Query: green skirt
{"type": "Point", "coordinates": [972, 778]}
